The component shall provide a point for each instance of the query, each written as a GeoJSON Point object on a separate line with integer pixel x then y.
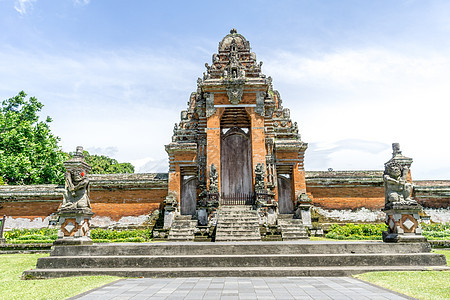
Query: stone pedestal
{"type": "Point", "coordinates": [403, 223]}
{"type": "Point", "coordinates": [74, 227]}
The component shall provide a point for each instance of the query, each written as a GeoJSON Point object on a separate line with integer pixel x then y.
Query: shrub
{"type": "Point", "coordinates": [436, 231]}
{"type": "Point", "coordinates": [112, 235]}
{"type": "Point", "coordinates": [19, 233]}
{"type": "Point", "coordinates": [353, 231]}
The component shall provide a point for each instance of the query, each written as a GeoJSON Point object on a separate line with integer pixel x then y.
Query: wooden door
{"type": "Point", "coordinates": [236, 171]}
{"type": "Point", "coordinates": [188, 199]}
{"type": "Point", "coordinates": [285, 204]}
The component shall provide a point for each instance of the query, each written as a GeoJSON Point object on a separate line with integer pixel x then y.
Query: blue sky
{"type": "Point", "coordinates": [357, 75]}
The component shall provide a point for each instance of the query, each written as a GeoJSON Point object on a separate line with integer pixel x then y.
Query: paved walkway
{"type": "Point", "coordinates": [241, 288]}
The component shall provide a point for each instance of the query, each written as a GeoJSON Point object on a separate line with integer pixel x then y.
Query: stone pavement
{"type": "Point", "coordinates": [241, 288]}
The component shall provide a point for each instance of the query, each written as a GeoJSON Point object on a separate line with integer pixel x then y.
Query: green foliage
{"type": "Point", "coordinates": [102, 164]}
{"type": "Point", "coordinates": [436, 231]}
{"type": "Point", "coordinates": [48, 233]}
{"type": "Point", "coordinates": [29, 152]}
{"type": "Point", "coordinates": [114, 235]}
{"type": "Point", "coordinates": [356, 231]}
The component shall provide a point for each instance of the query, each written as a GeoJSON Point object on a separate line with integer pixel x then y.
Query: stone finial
{"type": "Point", "coordinates": [79, 151]}
{"type": "Point", "coordinates": [396, 149]}
{"type": "Point", "coordinates": [233, 31]}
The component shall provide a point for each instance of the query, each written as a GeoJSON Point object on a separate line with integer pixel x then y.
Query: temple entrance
{"type": "Point", "coordinates": [236, 168]}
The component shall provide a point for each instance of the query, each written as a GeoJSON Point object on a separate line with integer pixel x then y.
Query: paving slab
{"type": "Point", "coordinates": [241, 288]}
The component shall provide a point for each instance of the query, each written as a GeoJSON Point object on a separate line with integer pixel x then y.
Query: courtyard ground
{"type": "Point", "coordinates": [421, 285]}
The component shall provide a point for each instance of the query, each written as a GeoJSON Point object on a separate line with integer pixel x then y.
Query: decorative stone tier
{"type": "Point", "coordinates": [198, 259]}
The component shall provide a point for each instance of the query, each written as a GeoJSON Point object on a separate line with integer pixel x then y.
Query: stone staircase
{"type": "Point", "coordinates": [182, 229]}
{"type": "Point", "coordinates": [235, 259]}
{"type": "Point", "coordinates": [237, 223]}
{"type": "Point", "coordinates": [291, 229]}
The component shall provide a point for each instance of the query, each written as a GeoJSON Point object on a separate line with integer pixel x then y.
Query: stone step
{"type": "Point", "coordinates": [241, 248]}
{"type": "Point", "coordinates": [229, 231]}
{"type": "Point", "coordinates": [255, 260]}
{"type": "Point", "coordinates": [221, 272]}
{"type": "Point", "coordinates": [245, 238]}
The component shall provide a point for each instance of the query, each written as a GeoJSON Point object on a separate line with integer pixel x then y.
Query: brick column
{"type": "Point", "coordinates": [258, 137]}
{"type": "Point", "coordinates": [213, 142]}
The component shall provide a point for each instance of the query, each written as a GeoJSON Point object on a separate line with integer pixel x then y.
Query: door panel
{"type": "Point", "coordinates": [188, 195]}
{"type": "Point", "coordinates": [285, 204]}
{"type": "Point", "coordinates": [236, 171]}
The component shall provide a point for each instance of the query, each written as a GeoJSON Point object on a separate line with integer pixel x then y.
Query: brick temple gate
{"type": "Point", "coordinates": [235, 140]}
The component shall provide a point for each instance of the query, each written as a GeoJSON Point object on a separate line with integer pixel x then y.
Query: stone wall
{"type": "Point", "coordinates": [129, 198]}
{"type": "Point", "coordinates": [115, 198]}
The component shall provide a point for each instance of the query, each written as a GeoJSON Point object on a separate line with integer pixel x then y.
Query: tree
{"type": "Point", "coordinates": [29, 152]}
{"type": "Point", "coordinates": [102, 164]}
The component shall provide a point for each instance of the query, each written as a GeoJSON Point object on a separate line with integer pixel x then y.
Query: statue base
{"type": "Point", "coordinates": [74, 227]}
{"type": "Point", "coordinates": [403, 223]}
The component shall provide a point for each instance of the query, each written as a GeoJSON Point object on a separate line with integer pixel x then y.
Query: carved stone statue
{"type": "Point", "coordinates": [397, 189]}
{"type": "Point", "coordinates": [76, 192]}
{"type": "Point", "coordinates": [259, 177]}
{"type": "Point", "coordinates": [213, 179]}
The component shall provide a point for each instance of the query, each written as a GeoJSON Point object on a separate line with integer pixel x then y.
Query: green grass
{"type": "Point", "coordinates": [12, 287]}
{"type": "Point", "coordinates": [420, 285]}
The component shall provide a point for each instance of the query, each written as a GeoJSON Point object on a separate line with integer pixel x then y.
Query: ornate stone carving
{"type": "Point", "coordinates": [402, 212]}
{"type": "Point", "coordinates": [210, 109]}
{"type": "Point", "coordinates": [260, 103]}
{"type": "Point", "coordinates": [75, 212]}
{"type": "Point", "coordinates": [213, 180]}
{"type": "Point", "coordinates": [397, 189]}
{"type": "Point", "coordinates": [235, 89]}
{"type": "Point", "coordinates": [76, 192]}
{"type": "Point", "coordinates": [260, 174]}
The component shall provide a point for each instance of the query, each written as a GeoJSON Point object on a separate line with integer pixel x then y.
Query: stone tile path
{"type": "Point", "coordinates": [240, 288]}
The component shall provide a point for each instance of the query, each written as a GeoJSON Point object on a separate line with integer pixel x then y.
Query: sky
{"type": "Point", "coordinates": [356, 75]}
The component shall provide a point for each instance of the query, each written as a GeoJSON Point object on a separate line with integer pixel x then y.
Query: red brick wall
{"type": "Point", "coordinates": [347, 197]}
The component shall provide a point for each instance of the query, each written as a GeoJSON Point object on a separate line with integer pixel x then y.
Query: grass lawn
{"type": "Point", "coordinates": [421, 285]}
{"type": "Point", "coordinates": [12, 287]}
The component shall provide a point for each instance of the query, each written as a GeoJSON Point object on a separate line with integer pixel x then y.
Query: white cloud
{"type": "Point", "coordinates": [23, 6]}
{"type": "Point", "coordinates": [377, 95]}
{"type": "Point", "coordinates": [81, 2]}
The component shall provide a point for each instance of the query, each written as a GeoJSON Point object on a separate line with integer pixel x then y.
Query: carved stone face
{"type": "Point", "coordinates": [77, 175]}
{"type": "Point", "coordinates": [394, 171]}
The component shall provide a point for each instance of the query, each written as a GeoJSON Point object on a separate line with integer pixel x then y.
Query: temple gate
{"type": "Point", "coordinates": [236, 125]}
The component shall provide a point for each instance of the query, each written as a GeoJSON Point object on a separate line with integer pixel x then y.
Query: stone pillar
{"type": "Point", "coordinates": [2, 227]}
{"type": "Point", "coordinates": [402, 212]}
{"type": "Point", "coordinates": [403, 223]}
{"type": "Point", "coordinates": [75, 212]}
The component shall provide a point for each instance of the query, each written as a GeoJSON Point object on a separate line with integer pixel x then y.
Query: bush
{"type": "Point", "coordinates": [51, 233]}
{"type": "Point", "coordinates": [356, 231]}
{"type": "Point", "coordinates": [112, 235]}
{"type": "Point", "coordinates": [436, 231]}
{"type": "Point", "coordinates": [48, 235]}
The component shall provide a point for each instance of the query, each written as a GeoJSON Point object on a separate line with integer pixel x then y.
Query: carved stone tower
{"type": "Point", "coordinates": [235, 142]}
